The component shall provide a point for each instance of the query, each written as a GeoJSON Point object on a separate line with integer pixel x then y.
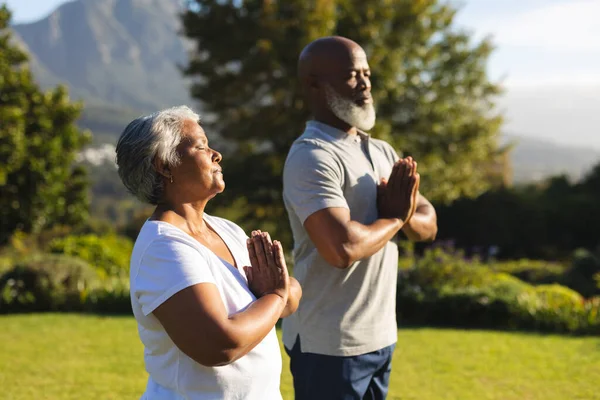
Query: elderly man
{"type": "Point", "coordinates": [348, 196]}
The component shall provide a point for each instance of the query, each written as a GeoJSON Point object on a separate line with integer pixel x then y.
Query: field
{"type": "Point", "coordinates": [68, 356]}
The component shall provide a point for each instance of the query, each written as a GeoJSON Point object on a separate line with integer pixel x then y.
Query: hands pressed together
{"type": "Point", "coordinates": [268, 271]}
{"type": "Point", "coordinates": [397, 196]}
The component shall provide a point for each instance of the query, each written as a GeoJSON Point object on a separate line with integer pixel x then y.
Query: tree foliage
{"type": "Point", "coordinates": [433, 97]}
{"type": "Point", "coordinates": [39, 186]}
{"type": "Point", "coordinates": [548, 220]}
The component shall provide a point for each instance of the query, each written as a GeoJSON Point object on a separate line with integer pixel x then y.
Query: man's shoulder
{"type": "Point", "coordinates": [312, 138]}
{"type": "Point", "coordinates": [386, 148]}
{"type": "Point", "coordinates": [312, 144]}
{"type": "Point", "coordinates": [380, 143]}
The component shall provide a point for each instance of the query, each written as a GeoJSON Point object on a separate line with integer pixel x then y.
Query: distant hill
{"type": "Point", "coordinates": [534, 159]}
{"type": "Point", "coordinates": [116, 55]}
{"type": "Point", "coordinates": [106, 122]}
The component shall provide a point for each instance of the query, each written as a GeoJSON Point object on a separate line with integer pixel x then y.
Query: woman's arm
{"type": "Point", "coordinates": [196, 319]}
{"type": "Point", "coordinates": [197, 322]}
{"type": "Point", "coordinates": [293, 298]}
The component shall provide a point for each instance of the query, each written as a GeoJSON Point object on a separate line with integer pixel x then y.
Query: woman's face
{"type": "Point", "coordinates": [199, 172]}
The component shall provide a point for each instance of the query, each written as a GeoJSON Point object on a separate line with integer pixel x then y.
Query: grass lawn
{"type": "Point", "coordinates": [66, 356]}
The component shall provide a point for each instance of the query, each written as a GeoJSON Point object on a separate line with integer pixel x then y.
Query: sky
{"type": "Point", "coordinates": [539, 41]}
{"type": "Point", "coordinates": [547, 57]}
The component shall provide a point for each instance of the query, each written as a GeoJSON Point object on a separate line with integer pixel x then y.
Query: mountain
{"type": "Point", "coordinates": [119, 56]}
{"type": "Point", "coordinates": [535, 159]}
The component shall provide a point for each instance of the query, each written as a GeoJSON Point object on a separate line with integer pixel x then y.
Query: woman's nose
{"type": "Point", "coordinates": [217, 157]}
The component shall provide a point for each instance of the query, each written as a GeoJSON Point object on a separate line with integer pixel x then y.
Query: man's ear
{"type": "Point", "coordinates": [312, 82]}
{"type": "Point", "coordinates": [161, 168]}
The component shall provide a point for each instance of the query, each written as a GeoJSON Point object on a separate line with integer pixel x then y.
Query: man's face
{"type": "Point", "coordinates": [347, 90]}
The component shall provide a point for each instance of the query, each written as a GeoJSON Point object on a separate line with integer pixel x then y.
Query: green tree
{"type": "Point", "coordinates": [39, 187]}
{"type": "Point", "coordinates": [433, 96]}
{"type": "Point", "coordinates": [591, 181]}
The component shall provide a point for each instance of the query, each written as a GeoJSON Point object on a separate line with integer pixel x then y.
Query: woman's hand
{"type": "Point", "coordinates": [293, 298]}
{"type": "Point", "coordinates": [268, 271]}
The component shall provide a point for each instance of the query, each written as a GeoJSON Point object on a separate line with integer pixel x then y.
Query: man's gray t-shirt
{"type": "Point", "coordinates": [343, 312]}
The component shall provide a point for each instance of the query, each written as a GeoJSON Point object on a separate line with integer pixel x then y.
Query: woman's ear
{"type": "Point", "coordinates": [161, 168]}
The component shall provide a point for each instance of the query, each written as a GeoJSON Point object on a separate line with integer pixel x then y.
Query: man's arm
{"type": "Point", "coordinates": [341, 241]}
{"type": "Point", "coordinates": [312, 186]}
{"type": "Point", "coordinates": [422, 227]}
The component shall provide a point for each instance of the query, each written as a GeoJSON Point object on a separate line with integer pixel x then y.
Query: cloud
{"type": "Point", "coordinates": [570, 26]}
{"type": "Point", "coordinates": [556, 79]}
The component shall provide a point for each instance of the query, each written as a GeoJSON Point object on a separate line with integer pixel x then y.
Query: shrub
{"type": "Point", "coordinates": [553, 308]}
{"type": "Point", "coordinates": [591, 315]}
{"type": "Point", "coordinates": [486, 302]}
{"type": "Point", "coordinates": [46, 282]}
{"type": "Point", "coordinates": [438, 268]}
{"type": "Point", "coordinates": [444, 289]}
{"type": "Point", "coordinates": [111, 297]}
{"type": "Point", "coordinates": [109, 254]}
{"type": "Point", "coordinates": [532, 271]}
{"type": "Point", "coordinates": [6, 263]}
{"type": "Point", "coordinates": [580, 276]}
{"type": "Point", "coordinates": [506, 287]}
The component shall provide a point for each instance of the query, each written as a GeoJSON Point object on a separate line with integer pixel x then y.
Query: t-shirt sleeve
{"type": "Point", "coordinates": [168, 266]}
{"type": "Point", "coordinates": [312, 181]}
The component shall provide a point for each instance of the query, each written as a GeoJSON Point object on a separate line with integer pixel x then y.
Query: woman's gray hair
{"type": "Point", "coordinates": [144, 139]}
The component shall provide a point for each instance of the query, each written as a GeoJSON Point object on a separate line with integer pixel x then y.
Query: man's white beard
{"type": "Point", "coordinates": [345, 109]}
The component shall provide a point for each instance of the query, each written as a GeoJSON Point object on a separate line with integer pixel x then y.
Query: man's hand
{"type": "Point", "coordinates": [397, 196]}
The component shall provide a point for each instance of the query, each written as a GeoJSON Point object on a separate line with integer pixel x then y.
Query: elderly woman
{"type": "Point", "coordinates": [205, 296]}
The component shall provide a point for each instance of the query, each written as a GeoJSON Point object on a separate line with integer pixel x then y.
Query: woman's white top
{"type": "Point", "coordinates": [166, 260]}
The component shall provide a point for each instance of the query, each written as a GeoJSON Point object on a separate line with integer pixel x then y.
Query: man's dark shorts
{"type": "Point", "coordinates": [321, 377]}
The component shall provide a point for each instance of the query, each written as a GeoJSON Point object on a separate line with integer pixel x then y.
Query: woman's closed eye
{"type": "Point", "coordinates": [203, 147]}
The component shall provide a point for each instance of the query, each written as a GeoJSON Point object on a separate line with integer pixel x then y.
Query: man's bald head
{"type": "Point", "coordinates": [319, 56]}
{"type": "Point", "coordinates": [335, 76]}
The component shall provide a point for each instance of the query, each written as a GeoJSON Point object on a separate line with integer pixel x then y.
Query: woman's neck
{"type": "Point", "coordinates": [188, 217]}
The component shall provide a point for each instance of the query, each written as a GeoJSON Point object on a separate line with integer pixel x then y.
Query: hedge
{"type": "Point", "coordinates": [439, 289]}
{"type": "Point", "coordinates": [46, 282]}
{"type": "Point", "coordinates": [109, 254]}
{"type": "Point", "coordinates": [444, 289]}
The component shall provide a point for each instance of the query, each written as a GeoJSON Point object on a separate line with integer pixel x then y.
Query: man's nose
{"type": "Point", "coordinates": [364, 83]}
